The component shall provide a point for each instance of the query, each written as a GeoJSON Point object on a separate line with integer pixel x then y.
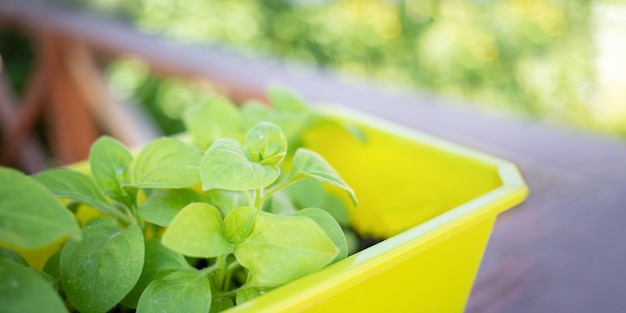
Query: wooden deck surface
{"type": "Point", "coordinates": [563, 250]}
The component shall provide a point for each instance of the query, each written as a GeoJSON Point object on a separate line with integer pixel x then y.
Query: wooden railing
{"type": "Point", "coordinates": [65, 87]}
{"type": "Point", "coordinates": [561, 251]}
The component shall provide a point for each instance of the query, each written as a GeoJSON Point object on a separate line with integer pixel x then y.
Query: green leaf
{"type": "Point", "coordinates": [197, 231]}
{"type": "Point", "coordinates": [161, 206]}
{"type": "Point", "coordinates": [100, 270]}
{"type": "Point", "coordinates": [214, 119]}
{"type": "Point", "coordinates": [158, 260]}
{"type": "Point", "coordinates": [245, 293]}
{"type": "Point", "coordinates": [280, 203]}
{"type": "Point", "coordinates": [12, 256]}
{"type": "Point", "coordinates": [53, 269]}
{"type": "Point", "coordinates": [238, 224]}
{"type": "Point", "coordinates": [7, 254]}
{"type": "Point", "coordinates": [23, 289]}
{"type": "Point", "coordinates": [266, 143]}
{"type": "Point", "coordinates": [353, 130]}
{"type": "Point", "coordinates": [30, 215]}
{"type": "Point", "coordinates": [337, 208]}
{"type": "Point", "coordinates": [227, 165]}
{"type": "Point", "coordinates": [225, 200]}
{"type": "Point", "coordinates": [283, 248]}
{"type": "Point", "coordinates": [254, 112]}
{"type": "Point", "coordinates": [167, 163]}
{"type": "Point", "coordinates": [52, 281]}
{"type": "Point", "coordinates": [307, 192]}
{"type": "Point", "coordinates": [284, 100]}
{"type": "Point", "coordinates": [307, 163]}
{"type": "Point", "coordinates": [109, 161]}
{"type": "Point", "coordinates": [290, 113]}
{"type": "Point", "coordinates": [220, 304]}
{"type": "Point", "coordinates": [292, 124]}
{"type": "Point", "coordinates": [181, 291]}
{"type": "Point", "coordinates": [330, 227]}
{"type": "Point", "coordinates": [353, 241]}
{"type": "Point", "coordinates": [65, 183]}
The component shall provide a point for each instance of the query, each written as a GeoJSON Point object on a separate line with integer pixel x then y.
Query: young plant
{"type": "Point", "coordinates": [180, 227]}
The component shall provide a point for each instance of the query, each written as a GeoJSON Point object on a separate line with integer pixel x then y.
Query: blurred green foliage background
{"type": "Point", "coordinates": [533, 58]}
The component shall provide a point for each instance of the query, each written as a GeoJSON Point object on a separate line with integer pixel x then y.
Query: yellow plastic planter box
{"type": "Point", "coordinates": [434, 200]}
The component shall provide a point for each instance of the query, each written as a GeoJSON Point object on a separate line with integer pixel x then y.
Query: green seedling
{"type": "Point", "coordinates": [188, 227]}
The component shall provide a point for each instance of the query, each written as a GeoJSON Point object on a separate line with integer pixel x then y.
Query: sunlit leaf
{"type": "Point", "coordinates": [163, 205]}
{"type": "Point", "coordinates": [226, 200]}
{"type": "Point", "coordinates": [266, 143]}
{"type": "Point", "coordinates": [186, 291]}
{"type": "Point", "coordinates": [330, 227]}
{"type": "Point", "coordinates": [254, 113]}
{"type": "Point", "coordinates": [290, 112]}
{"type": "Point", "coordinates": [307, 163]}
{"type": "Point", "coordinates": [337, 208]}
{"type": "Point", "coordinates": [211, 120]}
{"type": "Point", "coordinates": [197, 231]}
{"type": "Point", "coordinates": [280, 203]}
{"type": "Point", "coordinates": [238, 224]}
{"type": "Point", "coordinates": [167, 163]}
{"type": "Point", "coordinates": [283, 248]}
{"type": "Point", "coordinates": [227, 165]}
{"type": "Point", "coordinates": [307, 192]}
{"type": "Point", "coordinates": [285, 100]}
{"type": "Point", "coordinates": [109, 161]}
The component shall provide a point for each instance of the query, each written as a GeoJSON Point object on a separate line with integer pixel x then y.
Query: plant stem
{"type": "Point", "coordinates": [257, 198]}
{"type": "Point", "coordinates": [229, 293]}
{"type": "Point", "coordinates": [123, 215]}
{"type": "Point", "coordinates": [230, 270]}
{"type": "Point", "coordinates": [221, 272]}
{"type": "Point", "coordinates": [248, 197]}
{"type": "Point", "coordinates": [279, 186]}
{"type": "Point", "coordinates": [208, 270]}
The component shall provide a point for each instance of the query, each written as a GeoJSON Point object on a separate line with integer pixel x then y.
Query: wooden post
{"type": "Point", "coordinates": [72, 129]}
{"type": "Point", "coordinates": [17, 148]}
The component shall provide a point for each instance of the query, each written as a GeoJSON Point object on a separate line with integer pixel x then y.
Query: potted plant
{"type": "Point", "coordinates": [234, 215]}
